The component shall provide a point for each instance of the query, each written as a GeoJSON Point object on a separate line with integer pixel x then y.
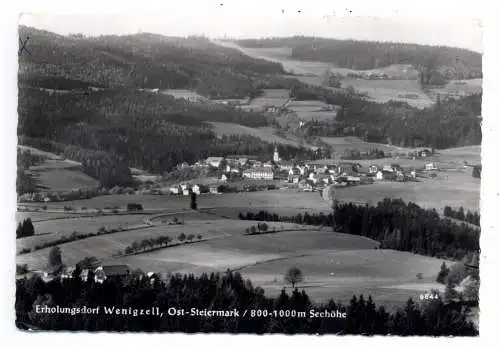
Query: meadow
{"type": "Point", "coordinates": [340, 144]}
{"type": "Point", "coordinates": [459, 155]}
{"type": "Point", "coordinates": [264, 133]}
{"type": "Point", "coordinates": [334, 265]}
{"type": "Point", "coordinates": [105, 246]}
{"type": "Point", "coordinates": [385, 90]}
{"type": "Point", "coordinates": [51, 230]}
{"type": "Point", "coordinates": [57, 174]}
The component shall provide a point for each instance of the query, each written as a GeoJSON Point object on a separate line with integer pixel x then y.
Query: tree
{"type": "Point", "coordinates": [135, 246]}
{"type": "Point", "coordinates": [25, 229]}
{"type": "Point", "coordinates": [199, 236]}
{"type": "Point", "coordinates": [190, 237]}
{"type": "Point", "coordinates": [182, 237]}
{"type": "Point", "coordinates": [144, 244]}
{"type": "Point", "coordinates": [293, 276]}
{"type": "Point", "coordinates": [77, 272]}
{"type": "Point", "coordinates": [443, 273]}
{"type": "Point", "coordinates": [194, 204]}
{"type": "Point", "coordinates": [450, 293]}
{"type": "Point", "coordinates": [447, 211]}
{"type": "Point", "coordinates": [253, 229]}
{"type": "Point", "coordinates": [476, 171]}
{"type": "Point", "coordinates": [55, 257]}
{"type": "Point", "coordinates": [88, 262]}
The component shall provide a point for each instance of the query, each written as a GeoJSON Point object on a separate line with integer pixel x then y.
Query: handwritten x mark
{"type": "Point", "coordinates": [23, 44]}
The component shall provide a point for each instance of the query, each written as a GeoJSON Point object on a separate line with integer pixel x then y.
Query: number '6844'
{"type": "Point", "coordinates": [429, 296]}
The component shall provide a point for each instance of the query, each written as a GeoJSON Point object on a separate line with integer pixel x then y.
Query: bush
{"type": "Point", "coordinates": [134, 207]}
{"type": "Point", "coordinates": [21, 269]}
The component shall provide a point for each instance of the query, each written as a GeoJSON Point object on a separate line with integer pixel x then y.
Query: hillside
{"type": "Point", "coordinates": [141, 61]}
{"type": "Point", "coordinates": [453, 63]}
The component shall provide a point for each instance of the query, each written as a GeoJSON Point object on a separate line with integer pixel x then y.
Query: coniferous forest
{"type": "Point", "coordinates": [395, 224]}
{"type": "Point", "coordinates": [226, 291]}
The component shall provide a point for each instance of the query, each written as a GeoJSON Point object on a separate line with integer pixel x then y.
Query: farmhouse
{"type": "Point", "coordinates": [305, 186]}
{"type": "Point", "coordinates": [262, 173]}
{"type": "Point", "coordinates": [185, 94]}
{"type": "Point", "coordinates": [430, 167]}
{"type": "Point", "coordinates": [373, 169]}
{"type": "Point", "coordinates": [294, 178]}
{"type": "Point", "coordinates": [174, 190]}
{"type": "Point", "coordinates": [325, 178]}
{"type": "Point", "coordinates": [196, 189]}
{"type": "Point", "coordinates": [214, 189]}
{"type": "Point", "coordinates": [108, 271]}
{"type": "Point", "coordinates": [345, 169]}
{"type": "Point", "coordinates": [214, 161]}
{"type": "Point", "coordinates": [285, 166]}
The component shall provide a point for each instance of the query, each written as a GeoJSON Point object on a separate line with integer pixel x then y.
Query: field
{"type": "Point", "coordinates": [458, 88]}
{"type": "Point", "coordinates": [340, 144]}
{"type": "Point", "coordinates": [52, 230]}
{"type": "Point", "coordinates": [334, 265]}
{"type": "Point", "coordinates": [265, 133]}
{"type": "Point", "coordinates": [57, 174]}
{"type": "Point", "coordinates": [470, 154]}
{"type": "Point", "coordinates": [385, 90]}
{"type": "Point", "coordinates": [389, 276]}
{"type": "Point", "coordinates": [104, 247]}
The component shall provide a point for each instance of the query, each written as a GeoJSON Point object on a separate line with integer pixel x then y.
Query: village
{"type": "Point", "coordinates": [307, 176]}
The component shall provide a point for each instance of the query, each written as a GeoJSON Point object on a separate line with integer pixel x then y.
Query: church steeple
{"type": "Point", "coordinates": [276, 156]}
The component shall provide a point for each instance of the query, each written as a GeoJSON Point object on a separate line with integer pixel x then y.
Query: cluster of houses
{"type": "Point", "coordinates": [308, 176]}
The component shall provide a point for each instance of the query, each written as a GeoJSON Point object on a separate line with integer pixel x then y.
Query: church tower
{"type": "Point", "coordinates": [276, 157]}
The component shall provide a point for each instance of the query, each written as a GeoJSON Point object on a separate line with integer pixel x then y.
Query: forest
{"type": "Point", "coordinates": [141, 61]}
{"type": "Point", "coordinates": [451, 62]}
{"type": "Point", "coordinates": [225, 291]}
{"type": "Point", "coordinates": [395, 224]}
{"type": "Point", "coordinates": [448, 123]}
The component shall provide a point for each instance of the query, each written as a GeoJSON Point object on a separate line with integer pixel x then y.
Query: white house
{"type": "Point", "coordinates": [313, 177]}
{"type": "Point", "coordinates": [373, 169]}
{"type": "Point", "coordinates": [174, 190]}
{"type": "Point", "coordinates": [430, 166]}
{"type": "Point", "coordinates": [196, 189]}
{"type": "Point", "coordinates": [285, 166]}
{"type": "Point", "coordinates": [294, 178]}
{"type": "Point", "coordinates": [388, 168]}
{"type": "Point", "coordinates": [214, 161]}
{"type": "Point", "coordinates": [223, 178]}
{"type": "Point", "coordinates": [262, 173]}
{"type": "Point", "coordinates": [379, 175]}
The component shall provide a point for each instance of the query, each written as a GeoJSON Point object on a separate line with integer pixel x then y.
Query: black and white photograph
{"type": "Point", "coordinates": [195, 172]}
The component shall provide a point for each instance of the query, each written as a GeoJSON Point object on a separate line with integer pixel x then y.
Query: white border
{"type": "Point", "coordinates": [490, 201]}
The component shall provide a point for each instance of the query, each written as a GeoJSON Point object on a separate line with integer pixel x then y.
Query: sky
{"type": "Point", "coordinates": [428, 22]}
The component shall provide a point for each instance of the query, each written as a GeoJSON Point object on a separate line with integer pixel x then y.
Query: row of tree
{"type": "Point", "coordinates": [158, 242]}
{"type": "Point", "coordinates": [395, 224]}
{"type": "Point", "coordinates": [469, 217]}
{"type": "Point", "coordinates": [224, 292]}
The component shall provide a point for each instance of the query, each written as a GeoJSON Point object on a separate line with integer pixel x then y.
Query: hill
{"type": "Point", "coordinates": [142, 61]}
{"type": "Point", "coordinates": [453, 63]}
